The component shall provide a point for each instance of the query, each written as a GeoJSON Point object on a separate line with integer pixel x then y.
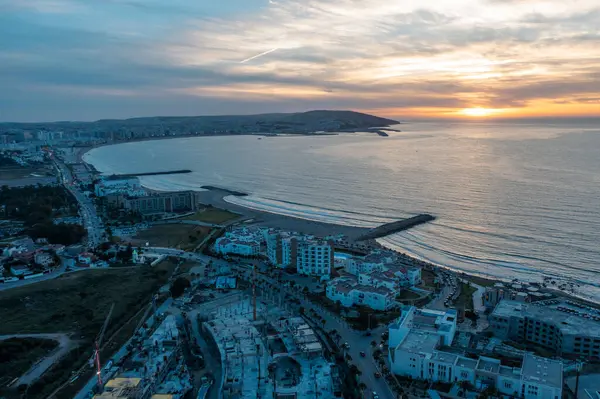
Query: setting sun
{"type": "Point", "coordinates": [477, 112]}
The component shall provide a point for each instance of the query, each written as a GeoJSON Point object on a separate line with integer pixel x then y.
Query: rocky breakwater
{"type": "Point", "coordinates": [395, 227]}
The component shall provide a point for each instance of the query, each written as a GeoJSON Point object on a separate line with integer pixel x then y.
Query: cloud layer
{"type": "Point", "coordinates": [83, 59]}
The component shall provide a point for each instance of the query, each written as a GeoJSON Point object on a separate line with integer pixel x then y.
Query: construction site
{"type": "Point", "coordinates": [266, 352]}
{"type": "Point", "coordinates": [152, 366]}
{"type": "Point", "coordinates": [251, 346]}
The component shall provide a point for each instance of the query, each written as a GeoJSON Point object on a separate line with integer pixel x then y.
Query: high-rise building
{"type": "Point", "coordinates": [310, 256]}
{"type": "Point", "coordinates": [169, 202]}
{"type": "Point", "coordinates": [314, 257]}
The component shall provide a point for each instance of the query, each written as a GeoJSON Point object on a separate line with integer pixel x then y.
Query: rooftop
{"type": "Point", "coordinates": [123, 383]}
{"type": "Point", "coordinates": [541, 369]}
{"type": "Point", "coordinates": [566, 320]}
{"type": "Point", "coordinates": [419, 342]}
{"type": "Point", "coordinates": [444, 357]}
{"type": "Point", "coordinates": [488, 364]}
{"type": "Point", "coordinates": [466, 362]}
{"type": "Point", "coordinates": [510, 371]}
{"type": "Point", "coordinates": [377, 257]}
{"type": "Point", "coordinates": [376, 290]}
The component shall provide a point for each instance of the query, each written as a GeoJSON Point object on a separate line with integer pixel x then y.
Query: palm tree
{"type": "Point", "coordinates": [362, 386]}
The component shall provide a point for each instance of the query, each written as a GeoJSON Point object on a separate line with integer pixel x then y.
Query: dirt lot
{"type": "Point", "coordinates": [17, 355]}
{"type": "Point", "coordinates": [78, 303]}
{"type": "Point", "coordinates": [407, 295]}
{"type": "Point", "coordinates": [181, 236]}
{"type": "Point", "coordinates": [10, 173]}
{"type": "Point", "coordinates": [17, 176]}
{"type": "Point", "coordinates": [213, 215]}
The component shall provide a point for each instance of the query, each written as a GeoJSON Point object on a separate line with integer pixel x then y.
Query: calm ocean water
{"type": "Point", "coordinates": [512, 200]}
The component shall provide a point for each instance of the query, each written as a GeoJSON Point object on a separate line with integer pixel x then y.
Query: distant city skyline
{"type": "Point", "coordinates": [83, 60]}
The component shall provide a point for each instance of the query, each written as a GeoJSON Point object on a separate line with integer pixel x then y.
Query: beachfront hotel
{"type": "Point", "coordinates": [416, 340]}
{"type": "Point", "coordinates": [564, 327]}
{"type": "Point", "coordinates": [119, 185]}
{"type": "Point", "coordinates": [310, 256]}
{"type": "Point", "coordinates": [158, 203]}
{"type": "Point", "coordinates": [279, 247]}
{"type": "Point", "coordinates": [314, 257]}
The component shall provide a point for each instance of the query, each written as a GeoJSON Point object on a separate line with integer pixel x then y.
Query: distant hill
{"type": "Point", "coordinates": [311, 119]}
{"type": "Point", "coordinates": [301, 122]}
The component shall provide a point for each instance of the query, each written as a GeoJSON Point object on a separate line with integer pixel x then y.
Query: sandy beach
{"type": "Point", "coordinates": [215, 197]}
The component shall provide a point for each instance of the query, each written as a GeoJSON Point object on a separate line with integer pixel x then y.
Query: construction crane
{"type": "Point", "coordinates": [254, 266]}
{"type": "Point", "coordinates": [143, 319]}
{"type": "Point", "coordinates": [97, 344]}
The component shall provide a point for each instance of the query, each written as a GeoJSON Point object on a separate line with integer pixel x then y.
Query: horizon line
{"type": "Point", "coordinates": [399, 119]}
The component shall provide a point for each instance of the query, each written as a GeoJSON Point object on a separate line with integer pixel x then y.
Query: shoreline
{"type": "Point", "coordinates": [374, 130]}
{"type": "Point", "coordinates": [214, 196]}
{"type": "Point", "coordinates": [371, 130]}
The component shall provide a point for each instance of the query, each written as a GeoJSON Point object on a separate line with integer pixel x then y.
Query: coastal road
{"type": "Point", "coordinates": [185, 221]}
{"type": "Point", "coordinates": [87, 209]}
{"type": "Point", "coordinates": [49, 276]}
{"type": "Point", "coordinates": [64, 346]}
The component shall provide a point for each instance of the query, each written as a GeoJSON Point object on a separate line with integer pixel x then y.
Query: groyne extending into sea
{"type": "Point", "coordinates": [395, 227]}
{"type": "Point", "coordinates": [167, 172]}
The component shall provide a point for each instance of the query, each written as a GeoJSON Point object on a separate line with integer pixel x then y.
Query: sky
{"type": "Point", "coordinates": [93, 59]}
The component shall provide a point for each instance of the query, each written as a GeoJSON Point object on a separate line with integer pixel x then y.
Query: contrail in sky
{"type": "Point", "coordinates": [259, 55]}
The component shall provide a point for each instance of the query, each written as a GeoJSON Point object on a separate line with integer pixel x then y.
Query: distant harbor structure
{"type": "Point", "coordinates": [167, 172]}
{"type": "Point", "coordinates": [395, 227]}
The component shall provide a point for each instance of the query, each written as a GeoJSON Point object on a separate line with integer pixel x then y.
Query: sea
{"type": "Point", "coordinates": [512, 200]}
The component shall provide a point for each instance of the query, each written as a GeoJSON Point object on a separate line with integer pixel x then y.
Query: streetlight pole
{"type": "Point", "coordinates": [578, 367]}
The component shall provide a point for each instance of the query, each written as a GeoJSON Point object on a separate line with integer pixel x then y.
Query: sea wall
{"type": "Point", "coordinates": [395, 227]}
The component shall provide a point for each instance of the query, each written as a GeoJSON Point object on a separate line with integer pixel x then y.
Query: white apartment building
{"type": "Point", "coordinates": [43, 135]}
{"type": "Point", "coordinates": [288, 251]}
{"type": "Point", "coordinates": [310, 256]}
{"type": "Point", "coordinates": [281, 248]}
{"type": "Point", "coordinates": [233, 246]}
{"type": "Point", "coordinates": [375, 261]}
{"type": "Point", "coordinates": [313, 257]}
{"type": "Point", "coordinates": [127, 185]}
{"type": "Point", "coordinates": [379, 279]}
{"type": "Point", "coordinates": [440, 323]}
{"type": "Point", "coordinates": [415, 342]}
{"type": "Point", "coordinates": [414, 275]}
{"type": "Point", "coordinates": [564, 327]}
{"type": "Point", "coordinates": [273, 252]}
{"type": "Point", "coordinates": [349, 292]}
{"type": "Point", "coordinates": [381, 267]}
